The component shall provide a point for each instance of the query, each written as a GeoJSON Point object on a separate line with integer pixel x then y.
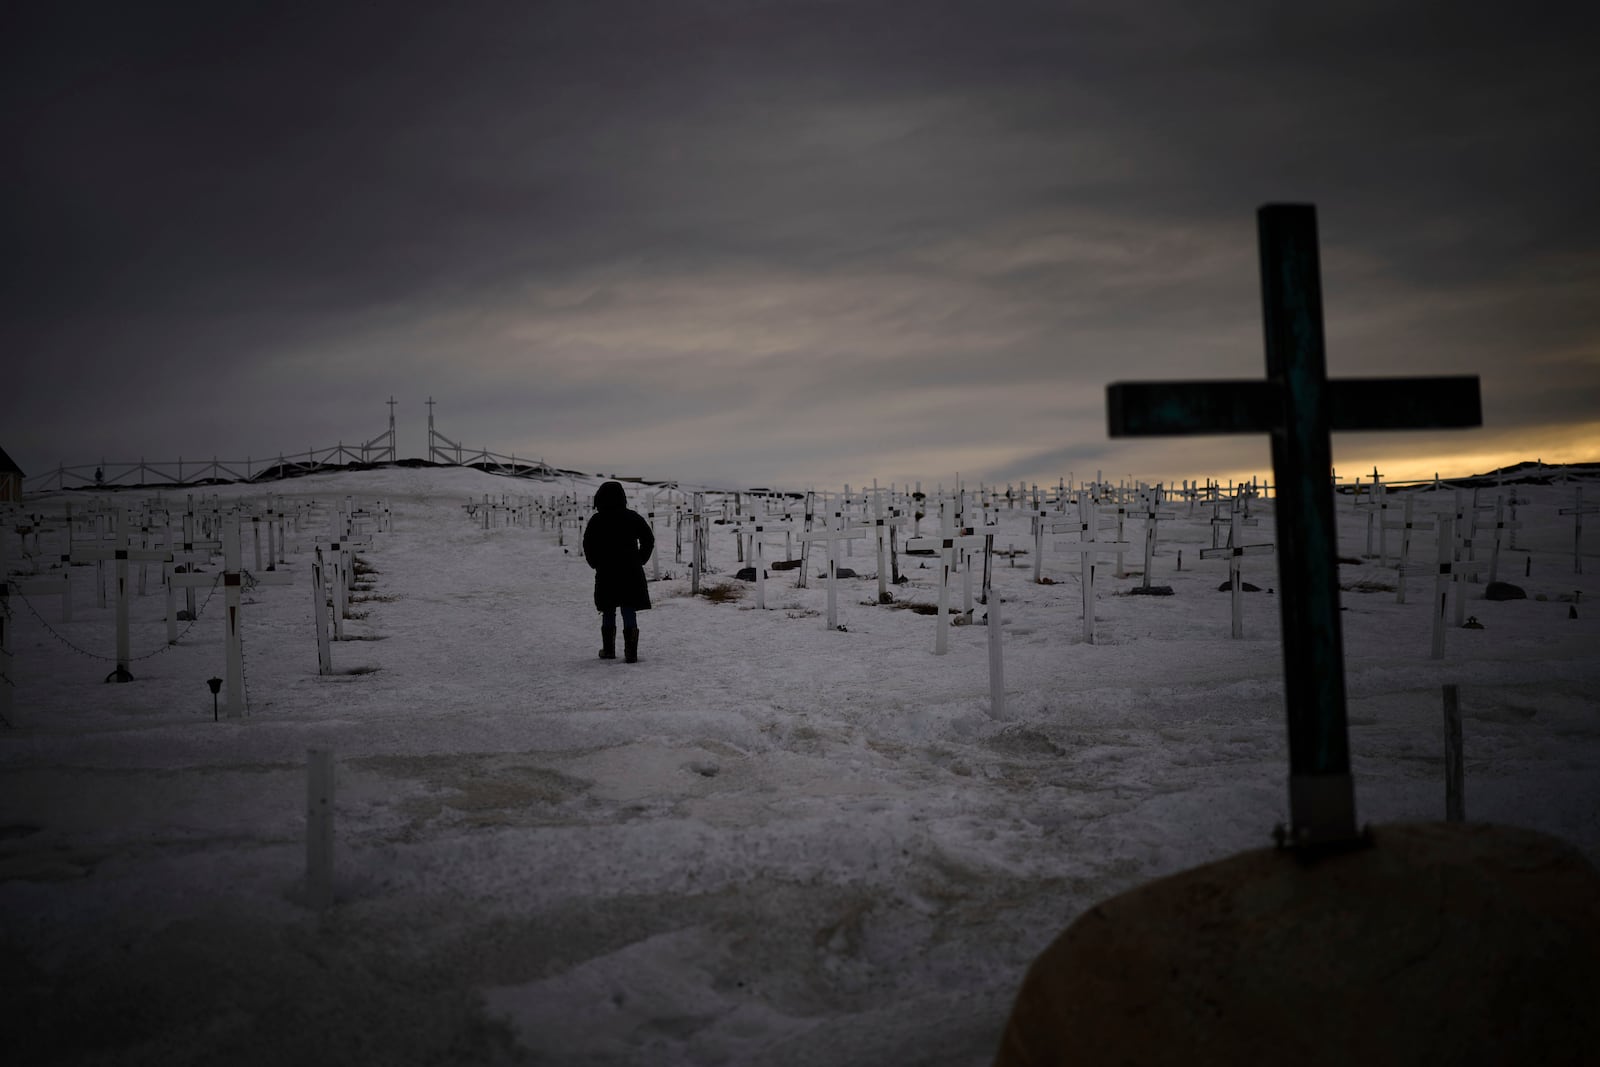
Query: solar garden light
{"type": "Point", "coordinates": [216, 687]}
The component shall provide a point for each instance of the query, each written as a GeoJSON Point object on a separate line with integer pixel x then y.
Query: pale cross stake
{"type": "Point", "coordinates": [754, 531]}
{"type": "Point", "coordinates": [1502, 525]}
{"type": "Point", "coordinates": [1405, 526]}
{"type": "Point", "coordinates": [1152, 514]}
{"type": "Point", "coordinates": [832, 537]}
{"type": "Point", "coordinates": [1233, 552]}
{"type": "Point", "coordinates": [883, 527]}
{"type": "Point", "coordinates": [121, 555]}
{"type": "Point", "coordinates": [950, 540]}
{"type": "Point", "coordinates": [1087, 546]}
{"type": "Point", "coordinates": [1299, 406]}
{"type": "Point", "coordinates": [1578, 510]}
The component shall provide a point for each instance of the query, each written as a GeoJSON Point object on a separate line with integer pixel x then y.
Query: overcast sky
{"type": "Point", "coordinates": [782, 243]}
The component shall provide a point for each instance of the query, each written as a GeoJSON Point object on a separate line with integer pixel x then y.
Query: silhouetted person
{"type": "Point", "coordinates": [616, 543]}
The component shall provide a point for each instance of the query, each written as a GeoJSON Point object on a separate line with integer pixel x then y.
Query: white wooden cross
{"type": "Point", "coordinates": [883, 527]}
{"type": "Point", "coordinates": [121, 556]}
{"type": "Point", "coordinates": [319, 613]}
{"type": "Point", "coordinates": [1377, 504]}
{"type": "Point", "coordinates": [1218, 522]}
{"type": "Point", "coordinates": [1039, 518]}
{"type": "Point", "coordinates": [698, 537]}
{"type": "Point", "coordinates": [1578, 510]}
{"type": "Point", "coordinates": [950, 540]}
{"type": "Point", "coordinates": [1088, 546]}
{"type": "Point", "coordinates": [1152, 514]}
{"type": "Point", "coordinates": [1121, 512]}
{"type": "Point", "coordinates": [832, 537]}
{"type": "Point", "coordinates": [55, 584]}
{"type": "Point", "coordinates": [339, 569]}
{"type": "Point", "coordinates": [189, 552]}
{"type": "Point", "coordinates": [757, 556]}
{"type": "Point", "coordinates": [1234, 551]}
{"type": "Point", "coordinates": [1462, 570]}
{"type": "Point", "coordinates": [1467, 522]}
{"type": "Point", "coordinates": [1405, 526]}
{"type": "Point", "coordinates": [1502, 525]}
{"type": "Point", "coordinates": [1442, 583]}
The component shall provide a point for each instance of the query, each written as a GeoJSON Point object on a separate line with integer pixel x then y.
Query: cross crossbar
{"type": "Point", "coordinates": [1187, 408]}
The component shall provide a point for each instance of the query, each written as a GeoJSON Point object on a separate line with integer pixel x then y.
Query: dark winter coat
{"type": "Point", "coordinates": [616, 543]}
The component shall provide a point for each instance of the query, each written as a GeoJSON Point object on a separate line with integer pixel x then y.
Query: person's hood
{"type": "Point", "coordinates": [610, 496]}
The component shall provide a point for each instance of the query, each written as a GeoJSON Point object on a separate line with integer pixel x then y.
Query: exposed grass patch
{"type": "Point", "coordinates": [723, 592]}
{"type": "Point", "coordinates": [1367, 585]}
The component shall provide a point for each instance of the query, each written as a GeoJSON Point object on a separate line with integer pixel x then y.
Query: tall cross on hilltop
{"type": "Point", "coordinates": [1299, 406]}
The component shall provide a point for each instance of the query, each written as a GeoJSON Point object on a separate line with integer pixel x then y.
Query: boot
{"type": "Point", "coordinates": [608, 642]}
{"type": "Point", "coordinates": [630, 642]}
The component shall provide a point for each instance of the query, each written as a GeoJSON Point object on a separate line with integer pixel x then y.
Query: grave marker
{"type": "Point", "coordinates": [753, 531]}
{"type": "Point", "coordinates": [1234, 552]}
{"type": "Point", "coordinates": [950, 540]}
{"type": "Point", "coordinates": [883, 527]}
{"type": "Point", "coordinates": [1578, 510]}
{"type": "Point", "coordinates": [1298, 406]}
{"type": "Point", "coordinates": [1152, 514]}
{"type": "Point", "coordinates": [1502, 525]}
{"type": "Point", "coordinates": [121, 556]}
{"type": "Point", "coordinates": [1405, 526]}
{"type": "Point", "coordinates": [832, 538]}
{"type": "Point", "coordinates": [1088, 546]}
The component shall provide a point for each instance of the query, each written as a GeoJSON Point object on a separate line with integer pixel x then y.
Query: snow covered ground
{"type": "Point", "coordinates": [766, 843]}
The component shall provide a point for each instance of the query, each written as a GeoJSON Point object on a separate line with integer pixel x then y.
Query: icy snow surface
{"type": "Point", "coordinates": [766, 843]}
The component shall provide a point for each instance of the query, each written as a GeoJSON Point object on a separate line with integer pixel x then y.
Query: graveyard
{"type": "Point", "coordinates": [353, 787]}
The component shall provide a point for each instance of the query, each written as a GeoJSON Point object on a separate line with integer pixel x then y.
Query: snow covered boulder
{"type": "Point", "coordinates": [1504, 591]}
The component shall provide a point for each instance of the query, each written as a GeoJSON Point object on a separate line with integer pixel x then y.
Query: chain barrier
{"type": "Point", "coordinates": [51, 630]}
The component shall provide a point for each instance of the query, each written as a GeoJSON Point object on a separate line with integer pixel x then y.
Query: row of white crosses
{"type": "Point", "coordinates": [332, 579]}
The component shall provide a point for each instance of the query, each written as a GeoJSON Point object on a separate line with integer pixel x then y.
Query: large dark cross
{"type": "Point", "coordinates": [1299, 406]}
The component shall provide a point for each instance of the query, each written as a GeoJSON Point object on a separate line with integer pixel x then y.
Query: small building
{"type": "Point", "coordinates": [10, 479]}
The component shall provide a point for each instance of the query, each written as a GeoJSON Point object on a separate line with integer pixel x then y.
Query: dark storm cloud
{"type": "Point", "coordinates": [562, 215]}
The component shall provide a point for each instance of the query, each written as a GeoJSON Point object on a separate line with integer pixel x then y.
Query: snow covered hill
{"type": "Point", "coordinates": [766, 843]}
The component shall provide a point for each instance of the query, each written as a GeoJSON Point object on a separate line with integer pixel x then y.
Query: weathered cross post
{"type": "Point", "coordinates": [1405, 526]}
{"type": "Point", "coordinates": [831, 537]}
{"type": "Point", "coordinates": [882, 527]}
{"type": "Point", "coordinates": [1578, 510]}
{"type": "Point", "coordinates": [232, 588]}
{"type": "Point", "coordinates": [1442, 583]}
{"type": "Point", "coordinates": [1152, 514]}
{"type": "Point", "coordinates": [757, 555]}
{"type": "Point", "coordinates": [1233, 553]}
{"type": "Point", "coordinates": [1088, 546]}
{"type": "Point", "coordinates": [1299, 406]}
{"type": "Point", "coordinates": [120, 555]}
{"type": "Point", "coordinates": [319, 613]}
{"type": "Point", "coordinates": [951, 540]}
